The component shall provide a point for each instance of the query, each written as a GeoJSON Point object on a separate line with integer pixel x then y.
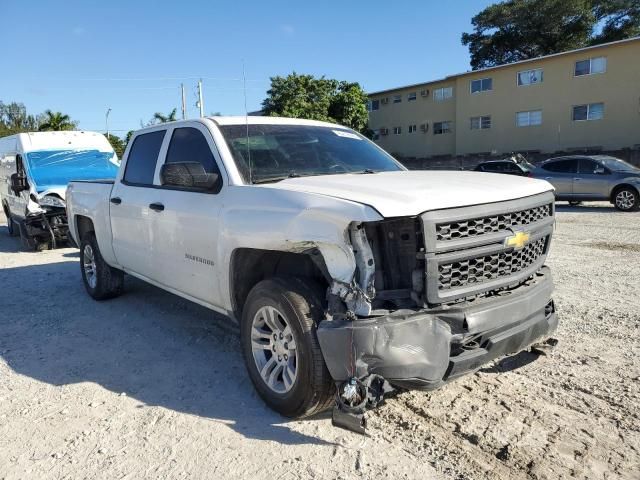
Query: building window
{"type": "Point", "coordinates": [441, 94]}
{"type": "Point", "coordinates": [413, 128]}
{"type": "Point", "coordinates": [397, 98]}
{"type": "Point", "coordinates": [440, 128]}
{"type": "Point", "coordinates": [374, 105]}
{"type": "Point", "coordinates": [530, 77]}
{"type": "Point", "coordinates": [592, 111]}
{"type": "Point", "coordinates": [481, 123]}
{"type": "Point", "coordinates": [397, 130]}
{"type": "Point", "coordinates": [482, 85]}
{"type": "Point", "coordinates": [411, 96]}
{"type": "Point", "coordinates": [590, 66]}
{"type": "Point", "coordinates": [529, 119]}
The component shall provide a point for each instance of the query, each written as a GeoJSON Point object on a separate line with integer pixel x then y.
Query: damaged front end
{"type": "Point", "coordinates": [435, 297]}
{"type": "Point", "coordinates": [45, 222]}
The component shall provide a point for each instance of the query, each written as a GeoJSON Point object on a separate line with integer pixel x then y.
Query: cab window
{"type": "Point", "coordinates": [143, 157]}
{"type": "Point", "coordinates": [188, 144]}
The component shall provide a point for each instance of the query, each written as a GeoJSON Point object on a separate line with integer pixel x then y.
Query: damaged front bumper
{"type": "Point", "coordinates": [424, 349]}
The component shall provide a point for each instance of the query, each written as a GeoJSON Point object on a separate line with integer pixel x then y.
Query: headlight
{"type": "Point", "coordinates": [51, 201]}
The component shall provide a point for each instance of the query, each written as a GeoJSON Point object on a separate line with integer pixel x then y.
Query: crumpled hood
{"type": "Point", "coordinates": [60, 191]}
{"type": "Point", "coordinates": [407, 193]}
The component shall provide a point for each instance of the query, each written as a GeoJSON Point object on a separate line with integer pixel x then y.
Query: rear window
{"type": "Point", "coordinates": [143, 157]}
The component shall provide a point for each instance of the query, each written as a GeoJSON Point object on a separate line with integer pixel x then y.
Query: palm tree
{"type": "Point", "coordinates": [56, 121]}
{"type": "Point", "coordinates": [160, 118]}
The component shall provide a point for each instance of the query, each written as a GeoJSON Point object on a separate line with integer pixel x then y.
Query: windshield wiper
{"type": "Point", "coordinates": [275, 179]}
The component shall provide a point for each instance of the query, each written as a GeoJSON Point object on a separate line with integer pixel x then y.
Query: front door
{"type": "Point", "coordinates": [131, 203]}
{"type": "Point", "coordinates": [185, 234]}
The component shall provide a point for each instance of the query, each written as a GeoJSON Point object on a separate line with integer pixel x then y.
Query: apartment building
{"type": "Point", "coordinates": [581, 99]}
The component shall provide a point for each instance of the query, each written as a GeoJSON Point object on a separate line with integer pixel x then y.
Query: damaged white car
{"type": "Point", "coordinates": [349, 275]}
{"type": "Point", "coordinates": [35, 169]}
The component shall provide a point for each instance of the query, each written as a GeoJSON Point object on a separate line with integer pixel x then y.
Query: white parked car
{"type": "Point", "coordinates": [35, 169]}
{"type": "Point", "coordinates": [345, 271]}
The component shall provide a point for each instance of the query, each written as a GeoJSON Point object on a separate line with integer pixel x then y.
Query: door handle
{"type": "Point", "coordinates": [116, 200]}
{"type": "Point", "coordinates": [547, 178]}
{"type": "Point", "coordinates": [576, 179]}
{"type": "Point", "coordinates": [156, 207]}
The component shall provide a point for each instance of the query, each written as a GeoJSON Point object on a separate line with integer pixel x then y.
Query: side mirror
{"type": "Point", "coordinates": [18, 183]}
{"type": "Point", "coordinates": [188, 175]}
{"type": "Point", "coordinates": [599, 170]}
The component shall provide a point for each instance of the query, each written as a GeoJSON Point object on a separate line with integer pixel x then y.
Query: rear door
{"type": "Point", "coordinates": [185, 233]}
{"type": "Point", "coordinates": [131, 204]}
{"type": "Point", "coordinates": [560, 174]}
{"type": "Point", "coordinates": [592, 180]}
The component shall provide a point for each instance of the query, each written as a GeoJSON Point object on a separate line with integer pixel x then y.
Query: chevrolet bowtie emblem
{"type": "Point", "coordinates": [517, 241]}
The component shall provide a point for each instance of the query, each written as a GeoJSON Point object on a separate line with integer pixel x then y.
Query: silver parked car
{"type": "Point", "coordinates": [580, 178]}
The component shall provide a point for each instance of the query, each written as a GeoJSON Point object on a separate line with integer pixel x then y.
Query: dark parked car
{"type": "Point", "coordinates": [515, 165]}
{"type": "Point", "coordinates": [578, 178]}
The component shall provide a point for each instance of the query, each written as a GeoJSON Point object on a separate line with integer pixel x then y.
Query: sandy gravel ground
{"type": "Point", "coordinates": [151, 386]}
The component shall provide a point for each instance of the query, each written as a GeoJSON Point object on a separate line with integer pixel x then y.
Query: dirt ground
{"type": "Point", "coordinates": [151, 386]}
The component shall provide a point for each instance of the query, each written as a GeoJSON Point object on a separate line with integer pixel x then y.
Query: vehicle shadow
{"type": "Point", "coordinates": [586, 208]}
{"type": "Point", "coordinates": [149, 344]}
{"type": "Point", "coordinates": [513, 362]}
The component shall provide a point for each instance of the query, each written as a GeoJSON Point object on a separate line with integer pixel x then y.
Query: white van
{"type": "Point", "coordinates": [35, 169]}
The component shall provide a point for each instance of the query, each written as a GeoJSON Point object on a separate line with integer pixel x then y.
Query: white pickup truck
{"type": "Point", "coordinates": [346, 272]}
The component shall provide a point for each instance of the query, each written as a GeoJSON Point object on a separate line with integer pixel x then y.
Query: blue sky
{"type": "Point", "coordinates": [82, 57]}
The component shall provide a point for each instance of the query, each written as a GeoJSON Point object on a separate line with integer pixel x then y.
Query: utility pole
{"type": "Point", "coordinates": [200, 101]}
{"type": "Point", "coordinates": [106, 121]}
{"type": "Point", "coordinates": [184, 102]}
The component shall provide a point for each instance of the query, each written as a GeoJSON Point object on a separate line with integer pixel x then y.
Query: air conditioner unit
{"type": "Point", "coordinates": [424, 128]}
{"type": "Point", "coordinates": [384, 100]}
{"type": "Point", "coordinates": [384, 131]}
{"type": "Point", "coordinates": [424, 93]}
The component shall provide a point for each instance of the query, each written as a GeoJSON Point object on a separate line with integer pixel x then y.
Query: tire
{"type": "Point", "coordinates": [296, 305]}
{"type": "Point", "coordinates": [626, 199]}
{"type": "Point", "coordinates": [100, 279]}
{"type": "Point", "coordinates": [12, 226]}
{"type": "Point", "coordinates": [575, 203]}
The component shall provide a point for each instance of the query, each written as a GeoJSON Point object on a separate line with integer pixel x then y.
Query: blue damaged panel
{"type": "Point", "coordinates": [56, 168]}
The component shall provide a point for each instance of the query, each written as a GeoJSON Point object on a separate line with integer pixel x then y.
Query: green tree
{"type": "Point", "coordinates": [15, 119]}
{"type": "Point", "coordinates": [304, 96]}
{"type": "Point", "coordinates": [517, 30]}
{"type": "Point", "coordinates": [55, 121]}
{"type": "Point", "coordinates": [160, 118]}
{"type": "Point", "coordinates": [117, 143]}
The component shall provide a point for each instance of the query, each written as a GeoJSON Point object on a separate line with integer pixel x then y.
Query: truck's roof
{"type": "Point", "coordinates": [73, 139]}
{"type": "Point", "coordinates": [263, 120]}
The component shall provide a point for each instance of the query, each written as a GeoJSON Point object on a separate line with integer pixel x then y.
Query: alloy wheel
{"type": "Point", "coordinates": [625, 200]}
{"type": "Point", "coordinates": [274, 349]}
{"type": "Point", "coordinates": [89, 266]}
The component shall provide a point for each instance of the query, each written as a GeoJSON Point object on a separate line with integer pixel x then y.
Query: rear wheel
{"type": "Point", "coordinates": [281, 349]}
{"type": "Point", "coordinates": [626, 199]}
{"type": "Point", "coordinates": [100, 279]}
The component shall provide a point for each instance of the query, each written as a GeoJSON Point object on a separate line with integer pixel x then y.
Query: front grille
{"type": "Point", "coordinates": [489, 267]}
{"type": "Point", "coordinates": [491, 224]}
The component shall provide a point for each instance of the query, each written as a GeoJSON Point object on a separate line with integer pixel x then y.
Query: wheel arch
{"type": "Point", "coordinates": [619, 187]}
{"type": "Point", "coordinates": [83, 225]}
{"type": "Point", "coordinates": [249, 266]}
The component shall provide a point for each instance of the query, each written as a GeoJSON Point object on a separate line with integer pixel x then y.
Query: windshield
{"type": "Point", "coordinates": [617, 165]}
{"type": "Point", "coordinates": [54, 168]}
{"type": "Point", "coordinates": [277, 152]}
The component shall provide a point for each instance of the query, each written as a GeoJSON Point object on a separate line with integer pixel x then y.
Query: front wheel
{"type": "Point", "coordinates": [281, 349]}
{"type": "Point", "coordinates": [100, 279]}
{"type": "Point", "coordinates": [626, 199]}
